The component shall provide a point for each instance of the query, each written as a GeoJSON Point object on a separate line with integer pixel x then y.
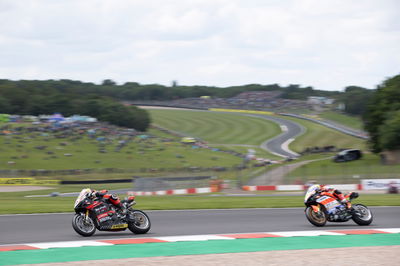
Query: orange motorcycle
{"type": "Point", "coordinates": [322, 207]}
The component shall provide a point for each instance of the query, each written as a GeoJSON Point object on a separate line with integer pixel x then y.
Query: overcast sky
{"type": "Point", "coordinates": [326, 44]}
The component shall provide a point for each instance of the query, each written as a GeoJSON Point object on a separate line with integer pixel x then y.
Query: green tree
{"type": "Point", "coordinates": [108, 82]}
{"type": "Point", "coordinates": [355, 99]}
{"type": "Point", "coordinates": [389, 132]}
{"type": "Point", "coordinates": [382, 110]}
{"type": "Point", "coordinates": [5, 106]}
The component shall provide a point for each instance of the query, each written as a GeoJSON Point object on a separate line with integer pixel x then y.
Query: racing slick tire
{"type": "Point", "coordinates": [139, 222]}
{"type": "Point", "coordinates": [316, 218]}
{"type": "Point", "coordinates": [362, 215]}
{"type": "Point", "coordinates": [82, 227]}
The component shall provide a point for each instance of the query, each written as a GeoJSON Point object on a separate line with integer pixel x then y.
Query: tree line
{"type": "Point", "coordinates": [354, 97]}
{"type": "Point", "coordinates": [382, 116]}
{"type": "Point", "coordinates": [380, 107]}
{"type": "Point", "coordinates": [68, 98]}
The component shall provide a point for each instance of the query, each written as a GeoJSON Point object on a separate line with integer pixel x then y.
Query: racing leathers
{"type": "Point", "coordinates": [111, 198]}
{"type": "Point", "coordinates": [337, 194]}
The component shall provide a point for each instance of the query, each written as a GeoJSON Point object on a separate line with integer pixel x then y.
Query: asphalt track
{"type": "Point", "coordinates": [278, 145]}
{"type": "Point", "coordinates": [16, 229]}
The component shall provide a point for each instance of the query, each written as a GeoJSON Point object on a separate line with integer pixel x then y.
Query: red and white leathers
{"type": "Point", "coordinates": [332, 192]}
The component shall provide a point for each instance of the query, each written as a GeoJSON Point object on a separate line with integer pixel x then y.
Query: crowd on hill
{"type": "Point", "coordinates": [23, 134]}
{"type": "Point", "coordinates": [54, 136]}
{"type": "Point", "coordinates": [251, 100]}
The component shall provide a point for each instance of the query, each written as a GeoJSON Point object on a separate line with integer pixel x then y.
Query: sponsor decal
{"type": "Point", "coordinates": [329, 202]}
{"type": "Point", "coordinates": [119, 226]}
{"type": "Point", "coordinates": [371, 184]}
{"type": "Point", "coordinates": [107, 218]}
{"type": "Point", "coordinates": [26, 181]}
{"type": "Point", "coordinates": [103, 217]}
{"type": "Point", "coordinates": [241, 111]}
{"type": "Point", "coordinates": [100, 209]}
{"type": "Point", "coordinates": [46, 182]}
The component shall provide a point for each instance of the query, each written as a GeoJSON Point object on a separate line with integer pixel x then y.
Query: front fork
{"type": "Point", "coordinates": [87, 216]}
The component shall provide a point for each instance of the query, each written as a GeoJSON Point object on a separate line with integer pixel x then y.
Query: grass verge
{"type": "Point", "coordinates": [327, 171]}
{"type": "Point", "coordinates": [346, 120]}
{"type": "Point", "coordinates": [17, 203]}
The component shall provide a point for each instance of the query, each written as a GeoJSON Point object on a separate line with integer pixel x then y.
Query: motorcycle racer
{"type": "Point", "coordinates": [327, 204]}
{"type": "Point", "coordinates": [331, 191]}
{"type": "Point", "coordinates": [111, 198]}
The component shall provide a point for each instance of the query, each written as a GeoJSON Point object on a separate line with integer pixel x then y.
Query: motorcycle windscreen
{"type": "Point", "coordinates": [82, 196]}
{"type": "Point", "coordinates": [310, 191]}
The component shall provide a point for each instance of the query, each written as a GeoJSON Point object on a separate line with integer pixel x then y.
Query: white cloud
{"type": "Point", "coordinates": [324, 44]}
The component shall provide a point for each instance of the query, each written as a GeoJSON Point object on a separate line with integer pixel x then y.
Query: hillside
{"type": "Point", "coordinates": [98, 147]}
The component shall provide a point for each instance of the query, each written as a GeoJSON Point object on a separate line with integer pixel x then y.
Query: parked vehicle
{"type": "Point", "coordinates": [322, 208]}
{"type": "Point", "coordinates": [92, 214]}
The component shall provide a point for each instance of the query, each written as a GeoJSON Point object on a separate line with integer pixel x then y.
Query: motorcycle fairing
{"type": "Point", "coordinates": [328, 202]}
{"type": "Point", "coordinates": [94, 205]}
{"type": "Point", "coordinates": [82, 195]}
{"type": "Point", "coordinates": [104, 217]}
{"type": "Point", "coordinates": [315, 208]}
{"type": "Point", "coordinates": [310, 192]}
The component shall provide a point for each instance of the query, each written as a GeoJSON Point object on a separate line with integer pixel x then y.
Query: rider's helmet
{"type": "Point", "coordinates": [313, 189]}
{"type": "Point", "coordinates": [87, 191]}
{"type": "Point", "coordinates": [317, 187]}
{"type": "Point", "coordinates": [325, 187]}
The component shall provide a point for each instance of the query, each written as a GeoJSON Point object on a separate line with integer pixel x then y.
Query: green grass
{"type": "Point", "coordinates": [16, 202]}
{"type": "Point", "coordinates": [84, 154]}
{"type": "Point", "coordinates": [320, 136]}
{"type": "Point", "coordinates": [327, 171]}
{"type": "Point", "coordinates": [221, 128]}
{"type": "Point", "coordinates": [346, 120]}
{"type": "Point", "coordinates": [216, 128]}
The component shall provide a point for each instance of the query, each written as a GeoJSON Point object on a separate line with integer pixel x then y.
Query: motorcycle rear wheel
{"type": "Point", "coordinates": [362, 215]}
{"type": "Point", "coordinates": [316, 218]}
{"type": "Point", "coordinates": [140, 222]}
{"type": "Point", "coordinates": [82, 227]}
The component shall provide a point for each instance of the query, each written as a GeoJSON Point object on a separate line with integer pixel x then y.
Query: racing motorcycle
{"type": "Point", "coordinates": [92, 214]}
{"type": "Point", "coordinates": [321, 208]}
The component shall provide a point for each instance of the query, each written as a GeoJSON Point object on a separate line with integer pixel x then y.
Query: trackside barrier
{"type": "Point", "coordinates": [26, 181]}
{"type": "Point", "coordinates": [170, 192]}
{"type": "Point", "coordinates": [300, 187]}
{"type": "Point", "coordinates": [241, 111]}
{"type": "Point", "coordinates": [246, 188]}
{"type": "Point", "coordinates": [373, 184]}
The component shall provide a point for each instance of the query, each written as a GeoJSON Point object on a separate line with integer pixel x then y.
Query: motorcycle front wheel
{"type": "Point", "coordinates": [84, 227]}
{"type": "Point", "coordinates": [362, 215]}
{"type": "Point", "coordinates": [316, 218]}
{"type": "Point", "coordinates": [139, 222]}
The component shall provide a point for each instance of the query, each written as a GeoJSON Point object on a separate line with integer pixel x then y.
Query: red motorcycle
{"type": "Point", "coordinates": [92, 214]}
{"type": "Point", "coordinates": [322, 207]}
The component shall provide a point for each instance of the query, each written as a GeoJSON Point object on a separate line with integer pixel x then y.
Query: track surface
{"type": "Point", "coordinates": [16, 229]}
{"type": "Point", "coordinates": [276, 145]}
